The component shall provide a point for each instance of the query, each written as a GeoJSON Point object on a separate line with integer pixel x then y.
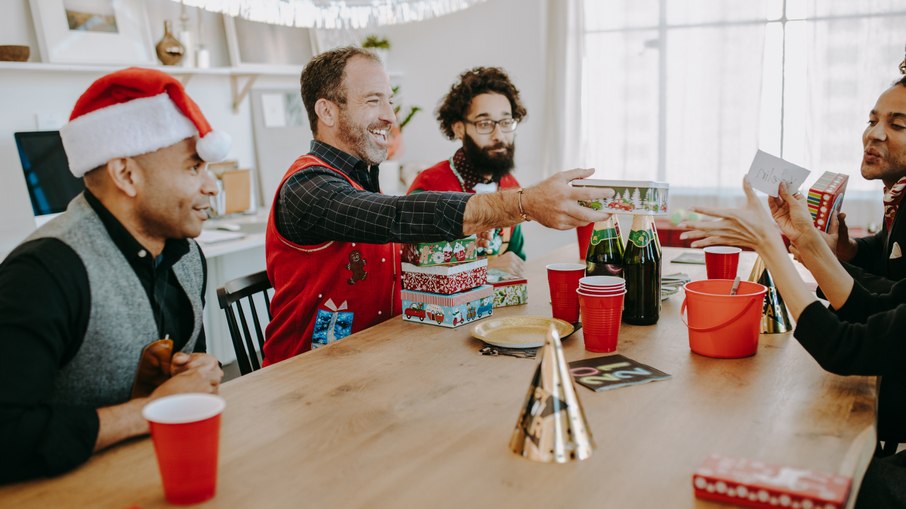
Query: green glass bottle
{"type": "Point", "coordinates": [642, 271]}
{"type": "Point", "coordinates": [605, 250]}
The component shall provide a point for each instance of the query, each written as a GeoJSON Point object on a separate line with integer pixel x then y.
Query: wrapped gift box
{"type": "Point", "coordinates": [631, 196]}
{"type": "Point", "coordinates": [426, 254]}
{"type": "Point", "coordinates": [509, 290]}
{"type": "Point", "coordinates": [448, 310]}
{"type": "Point", "coordinates": [445, 279]}
{"type": "Point", "coordinates": [753, 483]}
{"type": "Point", "coordinates": [825, 196]}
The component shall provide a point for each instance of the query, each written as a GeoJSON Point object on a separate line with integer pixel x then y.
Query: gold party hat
{"type": "Point", "coordinates": [775, 319]}
{"type": "Point", "coordinates": [552, 426]}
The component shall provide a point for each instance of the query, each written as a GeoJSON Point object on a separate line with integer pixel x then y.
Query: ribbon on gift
{"type": "Point", "coordinates": [331, 337]}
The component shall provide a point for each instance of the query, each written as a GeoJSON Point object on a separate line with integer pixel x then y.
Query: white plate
{"type": "Point", "coordinates": [519, 331]}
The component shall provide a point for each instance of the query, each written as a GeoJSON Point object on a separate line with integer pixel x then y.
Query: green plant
{"type": "Point", "coordinates": [402, 121]}
{"type": "Point", "coordinates": [376, 42]}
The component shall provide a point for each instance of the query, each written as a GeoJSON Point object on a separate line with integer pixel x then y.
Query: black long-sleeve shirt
{"type": "Point", "coordinates": [45, 302]}
{"type": "Point", "coordinates": [317, 205]}
{"type": "Point", "coordinates": [866, 336]}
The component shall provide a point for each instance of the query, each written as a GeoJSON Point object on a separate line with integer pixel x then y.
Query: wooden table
{"type": "Point", "coordinates": [409, 415]}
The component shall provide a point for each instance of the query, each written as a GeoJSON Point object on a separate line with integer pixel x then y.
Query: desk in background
{"type": "Point", "coordinates": [228, 260]}
{"type": "Point", "coordinates": [410, 415]}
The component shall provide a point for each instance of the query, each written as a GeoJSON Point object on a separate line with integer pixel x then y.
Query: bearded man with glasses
{"type": "Point", "coordinates": [482, 110]}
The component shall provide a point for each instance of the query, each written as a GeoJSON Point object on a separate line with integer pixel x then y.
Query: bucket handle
{"type": "Point", "coordinates": [714, 328]}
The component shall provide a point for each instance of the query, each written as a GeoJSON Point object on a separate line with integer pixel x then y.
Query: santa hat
{"type": "Point", "coordinates": [132, 112]}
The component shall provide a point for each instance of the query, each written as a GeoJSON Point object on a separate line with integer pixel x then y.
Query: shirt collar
{"type": "Point", "coordinates": [132, 249]}
{"type": "Point", "coordinates": [469, 174]}
{"type": "Point", "coordinates": [350, 165]}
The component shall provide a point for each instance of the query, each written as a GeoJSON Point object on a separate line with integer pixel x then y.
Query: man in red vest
{"type": "Point", "coordinates": [330, 234]}
{"type": "Point", "coordinates": [482, 110]}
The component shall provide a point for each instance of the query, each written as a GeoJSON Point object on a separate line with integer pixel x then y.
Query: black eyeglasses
{"type": "Point", "coordinates": [507, 125]}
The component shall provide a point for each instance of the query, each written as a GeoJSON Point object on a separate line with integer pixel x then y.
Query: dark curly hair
{"type": "Point", "coordinates": [480, 80]}
{"type": "Point", "coordinates": [323, 77]}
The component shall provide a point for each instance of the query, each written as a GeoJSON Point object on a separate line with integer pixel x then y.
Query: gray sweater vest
{"type": "Point", "coordinates": [121, 321]}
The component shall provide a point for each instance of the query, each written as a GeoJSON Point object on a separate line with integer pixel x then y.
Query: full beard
{"type": "Point", "coordinates": [497, 165]}
{"type": "Point", "coordinates": [359, 138]}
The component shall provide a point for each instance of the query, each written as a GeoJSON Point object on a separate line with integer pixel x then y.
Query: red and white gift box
{"type": "Point", "coordinates": [445, 279]}
{"type": "Point", "coordinates": [752, 483]}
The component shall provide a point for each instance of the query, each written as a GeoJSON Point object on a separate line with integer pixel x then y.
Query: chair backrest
{"type": "Point", "coordinates": [230, 296]}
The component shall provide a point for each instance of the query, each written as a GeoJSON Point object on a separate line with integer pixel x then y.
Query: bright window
{"type": "Point", "coordinates": [686, 91]}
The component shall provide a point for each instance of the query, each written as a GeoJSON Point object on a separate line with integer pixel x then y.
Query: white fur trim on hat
{"type": "Point", "coordinates": [123, 130]}
{"type": "Point", "coordinates": [214, 146]}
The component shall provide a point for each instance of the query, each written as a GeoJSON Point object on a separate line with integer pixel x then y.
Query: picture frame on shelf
{"type": "Point", "coordinates": [258, 45]}
{"type": "Point", "coordinates": [93, 32]}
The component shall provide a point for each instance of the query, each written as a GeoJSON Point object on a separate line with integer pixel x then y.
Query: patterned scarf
{"type": "Point", "coordinates": [468, 173]}
{"type": "Point", "coordinates": [892, 198]}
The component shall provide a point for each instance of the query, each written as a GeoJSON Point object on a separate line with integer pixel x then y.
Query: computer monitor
{"type": "Point", "coordinates": [51, 186]}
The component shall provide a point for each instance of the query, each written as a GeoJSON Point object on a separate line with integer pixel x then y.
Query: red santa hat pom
{"type": "Point", "coordinates": [132, 112]}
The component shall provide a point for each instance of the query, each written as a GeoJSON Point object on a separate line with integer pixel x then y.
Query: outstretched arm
{"type": "Point", "coordinates": [553, 203]}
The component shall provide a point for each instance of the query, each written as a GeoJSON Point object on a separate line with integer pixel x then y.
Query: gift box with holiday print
{"type": "Point", "coordinates": [751, 483]}
{"type": "Point", "coordinates": [630, 196]}
{"type": "Point", "coordinates": [448, 310]}
{"type": "Point", "coordinates": [509, 290]}
{"type": "Point", "coordinates": [425, 254]}
{"type": "Point", "coordinates": [445, 279]}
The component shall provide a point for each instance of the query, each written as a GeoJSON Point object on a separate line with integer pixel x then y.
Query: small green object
{"type": "Point", "coordinates": [377, 42]}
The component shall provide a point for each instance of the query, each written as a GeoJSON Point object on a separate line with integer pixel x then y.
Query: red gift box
{"type": "Point", "coordinates": [445, 279]}
{"type": "Point", "coordinates": [825, 196]}
{"type": "Point", "coordinates": [752, 483]}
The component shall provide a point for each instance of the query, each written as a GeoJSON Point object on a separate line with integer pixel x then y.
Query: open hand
{"type": "Point", "coordinates": [750, 226]}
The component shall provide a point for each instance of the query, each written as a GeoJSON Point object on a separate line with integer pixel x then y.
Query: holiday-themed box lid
{"type": "Point", "coordinates": [445, 270]}
{"type": "Point", "coordinates": [611, 184]}
{"type": "Point", "coordinates": [720, 478]}
{"type": "Point", "coordinates": [638, 197]}
{"type": "Point", "coordinates": [454, 299]}
{"type": "Point", "coordinates": [441, 252]}
{"type": "Point", "coordinates": [499, 278]}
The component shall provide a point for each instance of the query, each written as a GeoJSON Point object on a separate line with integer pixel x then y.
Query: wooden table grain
{"type": "Point", "coordinates": [410, 415]}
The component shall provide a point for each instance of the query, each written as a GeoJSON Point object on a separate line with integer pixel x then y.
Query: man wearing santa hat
{"type": "Point", "coordinates": [84, 295]}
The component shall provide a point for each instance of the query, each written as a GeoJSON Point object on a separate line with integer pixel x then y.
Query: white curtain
{"type": "Point", "coordinates": [564, 148]}
{"type": "Point", "coordinates": [672, 90]}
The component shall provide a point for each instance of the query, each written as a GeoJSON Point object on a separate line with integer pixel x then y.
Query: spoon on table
{"type": "Point", "coordinates": [735, 286]}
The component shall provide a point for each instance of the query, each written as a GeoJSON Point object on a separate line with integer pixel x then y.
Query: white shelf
{"type": "Point", "coordinates": [241, 77]}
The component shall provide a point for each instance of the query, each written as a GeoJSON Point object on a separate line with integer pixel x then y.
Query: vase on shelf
{"type": "Point", "coordinates": [169, 50]}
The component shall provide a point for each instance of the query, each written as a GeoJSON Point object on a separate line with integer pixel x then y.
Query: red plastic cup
{"type": "Point", "coordinates": [602, 281]}
{"type": "Point", "coordinates": [185, 429]}
{"type": "Point", "coordinates": [601, 317]}
{"type": "Point", "coordinates": [721, 262]}
{"type": "Point", "coordinates": [563, 280]}
{"type": "Point", "coordinates": [584, 235]}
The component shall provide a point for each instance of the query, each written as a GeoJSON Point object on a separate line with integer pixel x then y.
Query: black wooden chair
{"type": "Point", "coordinates": [230, 297]}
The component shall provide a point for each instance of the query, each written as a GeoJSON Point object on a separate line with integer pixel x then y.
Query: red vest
{"type": "Point", "coordinates": [324, 292]}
